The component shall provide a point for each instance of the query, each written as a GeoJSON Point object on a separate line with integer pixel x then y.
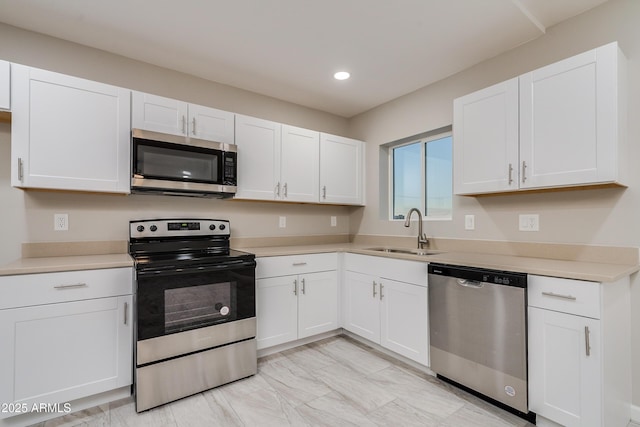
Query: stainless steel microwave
{"type": "Point", "coordinates": [178, 165]}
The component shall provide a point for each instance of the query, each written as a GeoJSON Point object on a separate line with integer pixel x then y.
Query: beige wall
{"type": "Point", "coordinates": [27, 216]}
{"type": "Point", "coordinates": [595, 217]}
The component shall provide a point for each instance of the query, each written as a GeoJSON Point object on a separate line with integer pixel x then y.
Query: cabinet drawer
{"type": "Point", "coordinates": [565, 295]}
{"type": "Point", "coordinates": [47, 288]}
{"type": "Point", "coordinates": [295, 264]}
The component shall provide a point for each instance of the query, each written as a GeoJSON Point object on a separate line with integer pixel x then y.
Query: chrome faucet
{"type": "Point", "coordinates": [422, 238]}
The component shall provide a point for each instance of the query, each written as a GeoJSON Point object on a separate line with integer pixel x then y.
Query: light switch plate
{"type": "Point", "coordinates": [469, 222]}
{"type": "Point", "coordinates": [282, 223]}
{"type": "Point", "coordinates": [334, 221]}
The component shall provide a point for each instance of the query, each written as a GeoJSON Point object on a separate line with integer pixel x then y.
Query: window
{"type": "Point", "coordinates": [421, 174]}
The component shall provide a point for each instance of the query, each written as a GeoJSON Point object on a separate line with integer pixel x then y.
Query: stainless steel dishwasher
{"type": "Point", "coordinates": [478, 332]}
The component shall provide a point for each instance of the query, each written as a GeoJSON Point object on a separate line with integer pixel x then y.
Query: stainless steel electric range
{"type": "Point", "coordinates": [195, 305]}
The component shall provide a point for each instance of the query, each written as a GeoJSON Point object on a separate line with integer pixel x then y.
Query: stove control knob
{"type": "Point", "coordinates": [140, 228]}
{"type": "Point", "coordinates": [212, 227]}
{"type": "Point", "coordinates": [222, 227]}
{"type": "Point", "coordinates": [153, 228]}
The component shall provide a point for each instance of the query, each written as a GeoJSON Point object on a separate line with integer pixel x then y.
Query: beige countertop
{"type": "Point", "coordinates": [582, 270]}
{"type": "Point", "coordinates": [65, 263]}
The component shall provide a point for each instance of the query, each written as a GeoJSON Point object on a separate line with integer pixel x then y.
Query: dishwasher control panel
{"type": "Point", "coordinates": [507, 278]}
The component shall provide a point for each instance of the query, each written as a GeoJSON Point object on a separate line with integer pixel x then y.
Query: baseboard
{"type": "Point", "coordinates": [635, 414]}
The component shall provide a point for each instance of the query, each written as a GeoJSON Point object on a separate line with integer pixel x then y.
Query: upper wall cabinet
{"type": "Point", "coordinates": [68, 133]}
{"type": "Point", "coordinates": [166, 115]}
{"type": "Point", "coordinates": [5, 85]}
{"type": "Point", "coordinates": [559, 126]}
{"type": "Point", "coordinates": [341, 170]}
{"type": "Point", "coordinates": [276, 162]}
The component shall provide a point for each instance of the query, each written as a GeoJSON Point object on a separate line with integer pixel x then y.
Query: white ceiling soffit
{"type": "Point", "coordinates": [290, 49]}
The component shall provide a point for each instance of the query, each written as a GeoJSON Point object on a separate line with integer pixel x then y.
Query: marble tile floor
{"type": "Point", "coordinates": [334, 382]}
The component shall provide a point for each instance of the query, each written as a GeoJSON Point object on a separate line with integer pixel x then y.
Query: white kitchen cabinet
{"type": "Point", "coordinates": [341, 170]}
{"type": "Point", "coordinates": [68, 133]}
{"type": "Point", "coordinates": [485, 148]}
{"type": "Point", "coordinates": [277, 162]}
{"type": "Point", "coordinates": [297, 297]}
{"type": "Point", "coordinates": [299, 165]}
{"type": "Point", "coordinates": [558, 126]}
{"type": "Point", "coordinates": [259, 145]}
{"type": "Point", "coordinates": [67, 336]}
{"type": "Point", "coordinates": [579, 351]}
{"type": "Point", "coordinates": [5, 85]}
{"type": "Point", "coordinates": [386, 311]}
{"type": "Point", "coordinates": [166, 115]}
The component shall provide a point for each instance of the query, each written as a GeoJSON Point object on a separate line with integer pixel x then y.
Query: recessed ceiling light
{"type": "Point", "coordinates": [341, 75]}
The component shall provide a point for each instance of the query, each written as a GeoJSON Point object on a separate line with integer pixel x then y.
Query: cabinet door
{"type": "Point", "coordinates": [69, 133]}
{"type": "Point", "coordinates": [564, 381]}
{"type": "Point", "coordinates": [317, 303]}
{"type": "Point", "coordinates": [5, 85]}
{"type": "Point", "coordinates": [56, 353]}
{"type": "Point", "coordinates": [568, 127]}
{"type": "Point", "coordinates": [276, 310]}
{"type": "Point", "coordinates": [362, 306]}
{"type": "Point", "coordinates": [485, 140]}
{"type": "Point", "coordinates": [300, 163]}
{"type": "Point", "coordinates": [404, 319]}
{"type": "Point", "coordinates": [341, 170]}
{"type": "Point", "coordinates": [158, 114]}
{"type": "Point", "coordinates": [258, 144]}
{"type": "Point", "coordinates": [211, 124]}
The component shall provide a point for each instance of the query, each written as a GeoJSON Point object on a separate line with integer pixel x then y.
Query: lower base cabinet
{"type": "Point", "coordinates": [294, 306]}
{"type": "Point", "coordinates": [54, 353]}
{"type": "Point", "coordinates": [386, 311]}
{"type": "Point", "coordinates": [579, 351]}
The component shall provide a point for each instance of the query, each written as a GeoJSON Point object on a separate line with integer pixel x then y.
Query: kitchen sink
{"type": "Point", "coordinates": [422, 252]}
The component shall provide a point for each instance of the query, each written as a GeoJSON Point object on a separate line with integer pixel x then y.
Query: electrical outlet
{"type": "Point", "coordinates": [469, 222]}
{"type": "Point", "coordinates": [334, 221]}
{"type": "Point", "coordinates": [529, 222]}
{"type": "Point", "coordinates": [282, 222]}
{"type": "Point", "coordinates": [61, 222]}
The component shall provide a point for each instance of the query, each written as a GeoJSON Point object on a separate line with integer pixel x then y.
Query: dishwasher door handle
{"type": "Point", "coordinates": [470, 283]}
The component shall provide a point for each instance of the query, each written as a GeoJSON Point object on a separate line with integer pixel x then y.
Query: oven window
{"type": "Point", "coordinates": [178, 164]}
{"type": "Point", "coordinates": [205, 304]}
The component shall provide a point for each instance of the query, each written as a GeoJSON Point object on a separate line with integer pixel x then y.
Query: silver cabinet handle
{"type": "Point", "coordinates": [381, 289]}
{"type": "Point", "coordinates": [324, 191]}
{"type": "Point", "coordinates": [510, 174]}
{"type": "Point", "coordinates": [277, 190]}
{"type": "Point", "coordinates": [303, 290]}
{"type": "Point", "coordinates": [587, 344]}
{"type": "Point", "coordinates": [284, 189]}
{"type": "Point", "coordinates": [295, 287]}
{"type": "Point", "coordinates": [74, 286]}
{"type": "Point", "coordinates": [20, 169]}
{"type": "Point", "coordinates": [374, 289]}
{"type": "Point", "coordinates": [126, 311]}
{"type": "Point", "coordinates": [184, 124]}
{"type": "Point", "coordinates": [298, 264]}
{"type": "Point", "coordinates": [193, 128]}
{"type": "Point", "coordinates": [524, 171]}
{"type": "Point", "coordinates": [552, 294]}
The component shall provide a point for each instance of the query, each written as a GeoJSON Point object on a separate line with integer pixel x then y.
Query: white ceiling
{"type": "Point", "coordinates": [289, 49]}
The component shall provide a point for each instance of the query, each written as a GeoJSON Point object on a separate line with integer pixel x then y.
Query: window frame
{"type": "Point", "coordinates": [423, 140]}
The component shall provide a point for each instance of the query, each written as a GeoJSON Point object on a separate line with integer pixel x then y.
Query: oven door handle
{"type": "Point", "coordinates": [172, 270]}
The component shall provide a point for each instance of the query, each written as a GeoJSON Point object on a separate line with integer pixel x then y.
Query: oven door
{"type": "Point", "coordinates": [172, 300]}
